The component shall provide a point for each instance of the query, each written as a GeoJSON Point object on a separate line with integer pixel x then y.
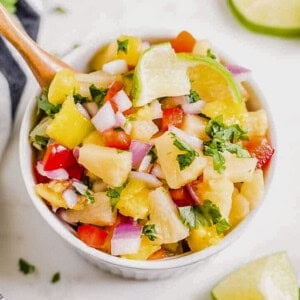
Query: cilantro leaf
{"type": "Point", "coordinates": [123, 46]}
{"type": "Point", "coordinates": [193, 97]}
{"type": "Point", "coordinates": [150, 231]}
{"type": "Point", "coordinates": [206, 215]}
{"type": "Point", "coordinates": [80, 99]}
{"type": "Point", "coordinates": [59, 10]}
{"type": "Point", "coordinates": [98, 94]}
{"type": "Point", "coordinates": [47, 107]}
{"type": "Point", "coordinates": [210, 54]}
{"type": "Point", "coordinates": [184, 159]}
{"type": "Point", "coordinates": [55, 277]}
{"type": "Point", "coordinates": [10, 5]}
{"type": "Point", "coordinates": [89, 195]}
{"type": "Point", "coordinates": [41, 141]}
{"type": "Point", "coordinates": [25, 267]}
{"type": "Point", "coordinates": [153, 153]}
{"type": "Point", "coordinates": [114, 194]}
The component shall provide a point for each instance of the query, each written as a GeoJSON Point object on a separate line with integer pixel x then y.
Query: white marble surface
{"type": "Point", "coordinates": [275, 64]}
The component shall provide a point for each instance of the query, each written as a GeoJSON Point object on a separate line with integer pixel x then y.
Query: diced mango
{"type": "Point", "coordinates": [98, 213]}
{"type": "Point", "coordinates": [63, 84]}
{"type": "Point", "coordinates": [167, 156]}
{"type": "Point", "coordinates": [134, 200]}
{"type": "Point", "coordinates": [69, 126]}
{"type": "Point", "coordinates": [110, 164]}
{"type": "Point", "coordinates": [239, 209]}
{"type": "Point", "coordinates": [95, 137]}
{"type": "Point", "coordinates": [253, 190]}
{"type": "Point", "coordinates": [147, 248]}
{"type": "Point", "coordinates": [143, 130]}
{"type": "Point", "coordinates": [52, 193]}
{"type": "Point", "coordinates": [203, 237]}
{"type": "Point", "coordinates": [164, 215]}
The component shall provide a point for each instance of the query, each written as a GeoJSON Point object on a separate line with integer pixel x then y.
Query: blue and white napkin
{"type": "Point", "coordinates": [12, 76]}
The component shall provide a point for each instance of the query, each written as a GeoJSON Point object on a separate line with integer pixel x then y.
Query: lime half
{"type": "Point", "coordinates": [267, 278]}
{"type": "Point", "coordinates": [159, 73]}
{"type": "Point", "coordinates": [276, 17]}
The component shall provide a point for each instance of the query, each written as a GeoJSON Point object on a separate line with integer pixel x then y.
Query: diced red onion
{"type": "Point", "coordinates": [126, 239]}
{"type": "Point", "coordinates": [121, 119]}
{"type": "Point", "coordinates": [192, 193]}
{"type": "Point", "coordinates": [157, 171]}
{"type": "Point", "coordinates": [138, 150]}
{"type": "Point", "coordinates": [156, 109]}
{"type": "Point", "coordinates": [240, 73]}
{"type": "Point", "coordinates": [91, 107]}
{"type": "Point", "coordinates": [145, 163]}
{"type": "Point", "coordinates": [61, 214]}
{"type": "Point", "coordinates": [57, 174]}
{"type": "Point", "coordinates": [190, 139]}
{"type": "Point", "coordinates": [105, 118]}
{"type": "Point", "coordinates": [82, 110]}
{"type": "Point", "coordinates": [149, 179]}
{"type": "Point", "coordinates": [193, 108]}
{"type": "Point", "coordinates": [114, 67]}
{"type": "Point", "coordinates": [79, 186]}
{"type": "Point", "coordinates": [70, 197]}
{"type": "Point", "coordinates": [122, 100]}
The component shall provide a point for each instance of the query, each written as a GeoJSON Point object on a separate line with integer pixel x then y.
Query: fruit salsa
{"type": "Point", "coordinates": [154, 153]}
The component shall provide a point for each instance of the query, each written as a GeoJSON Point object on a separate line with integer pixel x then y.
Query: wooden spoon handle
{"type": "Point", "coordinates": [42, 64]}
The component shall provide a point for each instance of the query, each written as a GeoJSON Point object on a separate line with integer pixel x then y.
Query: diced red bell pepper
{"type": "Point", "coordinates": [260, 148]}
{"type": "Point", "coordinates": [116, 138]}
{"type": "Point", "coordinates": [184, 42]}
{"type": "Point", "coordinates": [40, 178]}
{"type": "Point", "coordinates": [58, 156]}
{"type": "Point", "coordinates": [172, 116]}
{"type": "Point", "coordinates": [76, 171]}
{"type": "Point", "coordinates": [92, 235]}
{"type": "Point", "coordinates": [113, 89]}
{"type": "Point", "coordinates": [181, 197]}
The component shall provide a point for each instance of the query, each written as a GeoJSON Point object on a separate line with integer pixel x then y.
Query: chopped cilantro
{"type": "Point", "coordinates": [184, 159]}
{"type": "Point", "coordinates": [206, 215]}
{"type": "Point", "coordinates": [59, 10]}
{"type": "Point", "coordinates": [193, 97]}
{"type": "Point", "coordinates": [223, 138]}
{"type": "Point", "coordinates": [80, 99]}
{"type": "Point", "coordinates": [55, 278]}
{"type": "Point", "coordinates": [89, 195]}
{"type": "Point", "coordinates": [152, 152]}
{"type": "Point", "coordinates": [210, 54]}
{"type": "Point", "coordinates": [47, 107]}
{"type": "Point", "coordinates": [41, 141]}
{"type": "Point", "coordinates": [75, 46]}
{"type": "Point", "coordinates": [150, 231]}
{"type": "Point", "coordinates": [98, 94]}
{"type": "Point", "coordinates": [10, 5]}
{"type": "Point", "coordinates": [123, 46]}
{"type": "Point", "coordinates": [25, 267]}
{"type": "Point", "coordinates": [114, 194]}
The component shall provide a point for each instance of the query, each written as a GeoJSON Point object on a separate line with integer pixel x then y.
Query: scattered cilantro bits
{"type": "Point", "coordinates": [114, 194]}
{"type": "Point", "coordinates": [123, 45]}
{"type": "Point", "coordinates": [193, 97]}
{"type": "Point", "coordinates": [45, 106]}
{"type": "Point", "coordinates": [150, 231]}
{"type": "Point", "coordinates": [55, 278]}
{"type": "Point", "coordinates": [98, 94]}
{"type": "Point", "coordinates": [25, 267]}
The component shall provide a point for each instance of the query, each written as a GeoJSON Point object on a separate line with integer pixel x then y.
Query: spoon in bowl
{"type": "Point", "coordinates": [42, 64]}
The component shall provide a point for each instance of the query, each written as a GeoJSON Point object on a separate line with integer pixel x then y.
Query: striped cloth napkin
{"type": "Point", "coordinates": [12, 75]}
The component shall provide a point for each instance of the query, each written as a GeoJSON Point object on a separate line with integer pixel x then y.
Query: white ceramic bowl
{"type": "Point", "coordinates": [120, 266]}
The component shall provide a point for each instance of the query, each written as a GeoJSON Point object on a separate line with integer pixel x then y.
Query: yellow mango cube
{"type": "Point", "coordinates": [69, 126]}
{"type": "Point", "coordinates": [63, 84]}
{"type": "Point", "coordinates": [95, 137]}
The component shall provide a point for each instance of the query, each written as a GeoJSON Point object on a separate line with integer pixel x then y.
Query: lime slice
{"type": "Point", "coordinates": [159, 73]}
{"type": "Point", "coordinates": [270, 277]}
{"type": "Point", "coordinates": [211, 80]}
{"type": "Point", "coordinates": [277, 17]}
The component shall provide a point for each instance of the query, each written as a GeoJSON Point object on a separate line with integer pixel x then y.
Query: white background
{"type": "Point", "coordinates": [275, 64]}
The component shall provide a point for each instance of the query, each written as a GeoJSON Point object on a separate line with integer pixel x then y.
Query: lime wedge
{"type": "Point", "coordinates": [277, 17]}
{"type": "Point", "coordinates": [270, 277]}
{"type": "Point", "coordinates": [159, 73]}
{"type": "Point", "coordinates": [211, 80]}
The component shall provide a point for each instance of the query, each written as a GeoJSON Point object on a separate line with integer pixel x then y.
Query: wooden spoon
{"type": "Point", "coordinates": [42, 64]}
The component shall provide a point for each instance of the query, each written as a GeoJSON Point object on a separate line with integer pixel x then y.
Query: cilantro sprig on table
{"type": "Point", "coordinates": [206, 215]}
{"type": "Point", "coordinates": [25, 267]}
{"type": "Point", "coordinates": [223, 138]}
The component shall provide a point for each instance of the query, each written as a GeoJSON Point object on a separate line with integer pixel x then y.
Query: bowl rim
{"type": "Point", "coordinates": [61, 229]}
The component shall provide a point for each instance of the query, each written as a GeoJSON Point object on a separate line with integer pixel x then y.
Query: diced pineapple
{"type": "Point", "coordinates": [194, 125]}
{"type": "Point", "coordinates": [219, 191]}
{"type": "Point", "coordinates": [147, 248]}
{"type": "Point", "coordinates": [63, 84]}
{"type": "Point", "coordinates": [110, 164]}
{"type": "Point", "coordinates": [95, 137]}
{"type": "Point", "coordinates": [203, 237]}
{"type": "Point", "coordinates": [98, 213]}
{"type": "Point", "coordinates": [255, 123]}
{"type": "Point", "coordinates": [69, 126]}
{"type": "Point", "coordinates": [134, 201]}
{"type": "Point", "coordinates": [127, 80]}
{"type": "Point", "coordinates": [167, 155]}
{"type": "Point", "coordinates": [237, 169]}
{"type": "Point", "coordinates": [39, 130]}
{"type": "Point", "coordinates": [164, 215]}
{"type": "Point", "coordinates": [239, 209]}
{"type": "Point", "coordinates": [143, 130]}
{"type": "Point", "coordinates": [253, 190]}
{"type": "Point", "coordinates": [144, 113]}
{"type": "Point", "coordinates": [52, 193]}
